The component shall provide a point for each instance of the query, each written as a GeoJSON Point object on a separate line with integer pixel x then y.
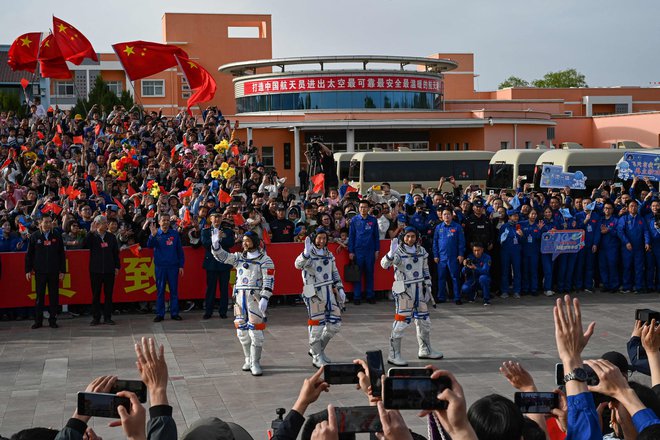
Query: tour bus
{"type": "Point", "coordinates": [507, 165]}
{"type": "Point", "coordinates": [401, 168]}
{"type": "Point", "coordinates": [597, 164]}
{"type": "Point", "coordinates": [343, 161]}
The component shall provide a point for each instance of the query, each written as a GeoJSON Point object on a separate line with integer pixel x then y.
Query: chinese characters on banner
{"type": "Point", "coordinates": [136, 282]}
{"type": "Point", "coordinates": [640, 165]}
{"type": "Point", "coordinates": [553, 176]}
{"type": "Point", "coordinates": [328, 83]}
{"type": "Point", "coordinates": [567, 241]}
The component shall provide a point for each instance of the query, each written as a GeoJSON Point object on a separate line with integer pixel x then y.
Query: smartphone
{"type": "Point", "coordinates": [134, 386]}
{"type": "Point", "coordinates": [376, 370]}
{"type": "Point", "coordinates": [358, 419]}
{"type": "Point", "coordinates": [478, 192]}
{"type": "Point", "coordinates": [617, 185]}
{"type": "Point", "coordinates": [414, 392]}
{"type": "Point", "coordinates": [592, 377]}
{"type": "Point", "coordinates": [491, 192]}
{"type": "Point", "coordinates": [409, 372]}
{"type": "Point", "coordinates": [417, 185]}
{"type": "Point", "coordinates": [101, 404]}
{"type": "Point", "coordinates": [646, 315]}
{"type": "Point", "coordinates": [536, 403]}
{"type": "Point", "coordinates": [341, 373]}
{"type": "Point", "coordinates": [523, 177]}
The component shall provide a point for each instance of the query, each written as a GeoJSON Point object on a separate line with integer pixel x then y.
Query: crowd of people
{"type": "Point", "coordinates": [626, 410]}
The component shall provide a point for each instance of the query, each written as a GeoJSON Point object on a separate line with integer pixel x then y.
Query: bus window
{"type": "Point", "coordinates": [354, 171]}
{"type": "Point", "coordinates": [344, 167]}
{"type": "Point", "coordinates": [500, 175]}
{"type": "Point", "coordinates": [408, 171]}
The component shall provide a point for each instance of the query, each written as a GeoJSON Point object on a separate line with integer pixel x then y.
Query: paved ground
{"type": "Point", "coordinates": [42, 370]}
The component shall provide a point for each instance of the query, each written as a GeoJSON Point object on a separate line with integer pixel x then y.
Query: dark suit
{"type": "Point", "coordinates": [45, 256]}
{"type": "Point", "coordinates": [217, 273]}
{"type": "Point", "coordinates": [103, 260]}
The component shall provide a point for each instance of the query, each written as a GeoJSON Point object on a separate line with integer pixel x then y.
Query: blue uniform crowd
{"type": "Point", "coordinates": [492, 245]}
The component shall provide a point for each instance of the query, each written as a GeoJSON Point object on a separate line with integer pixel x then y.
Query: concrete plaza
{"type": "Point", "coordinates": [42, 370]}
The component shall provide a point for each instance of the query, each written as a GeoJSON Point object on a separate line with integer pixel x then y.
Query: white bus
{"type": "Point", "coordinates": [343, 161]}
{"type": "Point", "coordinates": [507, 165]}
{"type": "Point", "coordinates": [597, 164]}
{"type": "Point", "coordinates": [401, 168]}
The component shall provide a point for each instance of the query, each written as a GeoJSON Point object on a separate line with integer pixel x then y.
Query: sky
{"type": "Point", "coordinates": [613, 43]}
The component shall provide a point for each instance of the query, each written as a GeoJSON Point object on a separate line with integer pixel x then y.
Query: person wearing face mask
{"type": "Point", "coordinates": [323, 293]}
{"type": "Point", "coordinates": [412, 292]}
{"type": "Point", "coordinates": [168, 259]}
{"type": "Point", "coordinates": [45, 260]}
{"type": "Point", "coordinates": [104, 265]}
{"type": "Point", "coordinates": [255, 279]}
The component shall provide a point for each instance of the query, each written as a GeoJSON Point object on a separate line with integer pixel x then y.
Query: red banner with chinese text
{"type": "Point", "coordinates": [135, 281]}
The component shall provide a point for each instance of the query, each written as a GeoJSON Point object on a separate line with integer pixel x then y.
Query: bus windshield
{"type": "Point", "coordinates": [354, 171]}
{"type": "Point", "coordinates": [500, 175]}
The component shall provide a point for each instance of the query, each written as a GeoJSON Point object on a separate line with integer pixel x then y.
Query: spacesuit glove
{"type": "Point", "coordinates": [263, 305]}
{"type": "Point", "coordinates": [215, 239]}
{"type": "Point", "coordinates": [342, 296]}
{"type": "Point", "coordinates": [394, 245]}
{"type": "Point", "coordinates": [308, 247]}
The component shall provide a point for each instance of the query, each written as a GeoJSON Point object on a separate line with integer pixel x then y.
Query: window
{"type": "Point", "coordinates": [528, 145]}
{"type": "Point", "coordinates": [64, 88]}
{"type": "Point", "coordinates": [116, 87]}
{"type": "Point", "coordinates": [153, 87]}
{"type": "Point", "coordinates": [504, 145]}
{"type": "Point", "coordinates": [185, 95]}
{"type": "Point", "coordinates": [466, 146]}
{"type": "Point", "coordinates": [620, 108]}
{"type": "Point", "coordinates": [568, 113]}
{"type": "Point", "coordinates": [268, 157]}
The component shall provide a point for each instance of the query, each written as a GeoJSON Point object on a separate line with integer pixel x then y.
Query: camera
{"type": "Point", "coordinates": [469, 262]}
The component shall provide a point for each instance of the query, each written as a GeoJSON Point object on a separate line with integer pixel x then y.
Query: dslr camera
{"type": "Point", "coordinates": [468, 262]}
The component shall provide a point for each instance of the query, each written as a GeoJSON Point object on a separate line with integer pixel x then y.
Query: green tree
{"type": "Point", "coordinates": [13, 100]}
{"type": "Point", "coordinates": [513, 81]}
{"type": "Point", "coordinates": [561, 79]}
{"type": "Point", "coordinates": [103, 97]}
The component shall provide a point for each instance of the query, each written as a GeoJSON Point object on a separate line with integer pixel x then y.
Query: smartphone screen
{"type": "Point", "coordinates": [536, 403]}
{"type": "Point", "coordinates": [134, 386]}
{"type": "Point", "coordinates": [414, 392]}
{"type": "Point", "coordinates": [101, 404]}
{"type": "Point", "coordinates": [358, 419]}
{"type": "Point", "coordinates": [409, 372]}
{"type": "Point", "coordinates": [376, 370]}
{"type": "Point", "coordinates": [341, 374]}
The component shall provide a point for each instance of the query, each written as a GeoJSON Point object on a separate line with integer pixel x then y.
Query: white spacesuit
{"type": "Point", "coordinates": [320, 280]}
{"type": "Point", "coordinates": [255, 274]}
{"type": "Point", "coordinates": [411, 291]}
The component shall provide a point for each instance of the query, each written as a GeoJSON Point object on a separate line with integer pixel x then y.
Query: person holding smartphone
{"type": "Point", "coordinates": [255, 279]}
{"type": "Point", "coordinates": [412, 292]}
{"type": "Point", "coordinates": [321, 279]}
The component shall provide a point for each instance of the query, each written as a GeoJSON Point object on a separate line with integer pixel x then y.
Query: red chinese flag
{"type": "Point", "coordinates": [135, 249]}
{"type": "Point", "coordinates": [143, 58]}
{"type": "Point", "coordinates": [51, 61]}
{"type": "Point", "coordinates": [95, 189]}
{"type": "Point", "coordinates": [24, 83]}
{"type": "Point", "coordinates": [21, 228]}
{"type": "Point", "coordinates": [78, 140]}
{"type": "Point", "coordinates": [130, 190]}
{"type": "Point", "coordinates": [224, 196]}
{"type": "Point", "coordinates": [119, 203]}
{"type": "Point", "coordinates": [350, 189]}
{"type": "Point", "coordinates": [59, 129]}
{"type": "Point", "coordinates": [50, 206]}
{"type": "Point", "coordinates": [97, 129]}
{"type": "Point", "coordinates": [199, 79]}
{"type": "Point", "coordinates": [234, 150]}
{"type": "Point", "coordinates": [57, 140]}
{"type": "Point", "coordinates": [73, 195]}
{"type": "Point", "coordinates": [23, 52]}
{"type": "Point", "coordinates": [238, 219]}
{"type": "Point", "coordinates": [186, 193]}
{"type": "Point", "coordinates": [266, 237]}
{"type": "Point", "coordinates": [151, 214]}
{"type": "Point", "coordinates": [187, 221]}
{"type": "Point", "coordinates": [75, 47]}
{"type": "Point", "coordinates": [40, 135]}
{"type": "Point", "coordinates": [136, 202]}
{"type": "Point", "coordinates": [318, 180]}
{"type": "Point", "coordinates": [187, 182]}
{"type": "Point", "coordinates": [5, 163]}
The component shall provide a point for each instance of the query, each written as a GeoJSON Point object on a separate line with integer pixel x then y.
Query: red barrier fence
{"type": "Point", "coordinates": [135, 281]}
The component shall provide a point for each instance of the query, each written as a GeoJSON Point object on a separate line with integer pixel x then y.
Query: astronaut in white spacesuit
{"type": "Point", "coordinates": [412, 292]}
{"type": "Point", "coordinates": [255, 278]}
{"type": "Point", "coordinates": [323, 293]}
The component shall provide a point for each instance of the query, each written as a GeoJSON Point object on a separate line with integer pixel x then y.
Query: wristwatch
{"type": "Point", "coordinates": [578, 374]}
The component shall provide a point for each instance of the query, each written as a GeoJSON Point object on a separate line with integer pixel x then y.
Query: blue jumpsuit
{"type": "Point", "coordinates": [531, 251]}
{"type": "Point", "coordinates": [511, 254]}
{"type": "Point", "coordinates": [364, 242]}
{"type": "Point", "coordinates": [586, 259]}
{"type": "Point", "coordinates": [567, 264]}
{"type": "Point", "coordinates": [448, 244]}
{"type": "Point", "coordinates": [608, 254]}
{"type": "Point", "coordinates": [476, 278]}
{"type": "Point", "coordinates": [653, 256]}
{"type": "Point", "coordinates": [546, 259]}
{"type": "Point", "coordinates": [168, 259]}
{"type": "Point", "coordinates": [632, 230]}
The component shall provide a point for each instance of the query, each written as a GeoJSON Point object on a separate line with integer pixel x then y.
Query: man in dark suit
{"type": "Point", "coordinates": [103, 268]}
{"type": "Point", "coordinates": [46, 260]}
{"type": "Point", "coordinates": [217, 273]}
